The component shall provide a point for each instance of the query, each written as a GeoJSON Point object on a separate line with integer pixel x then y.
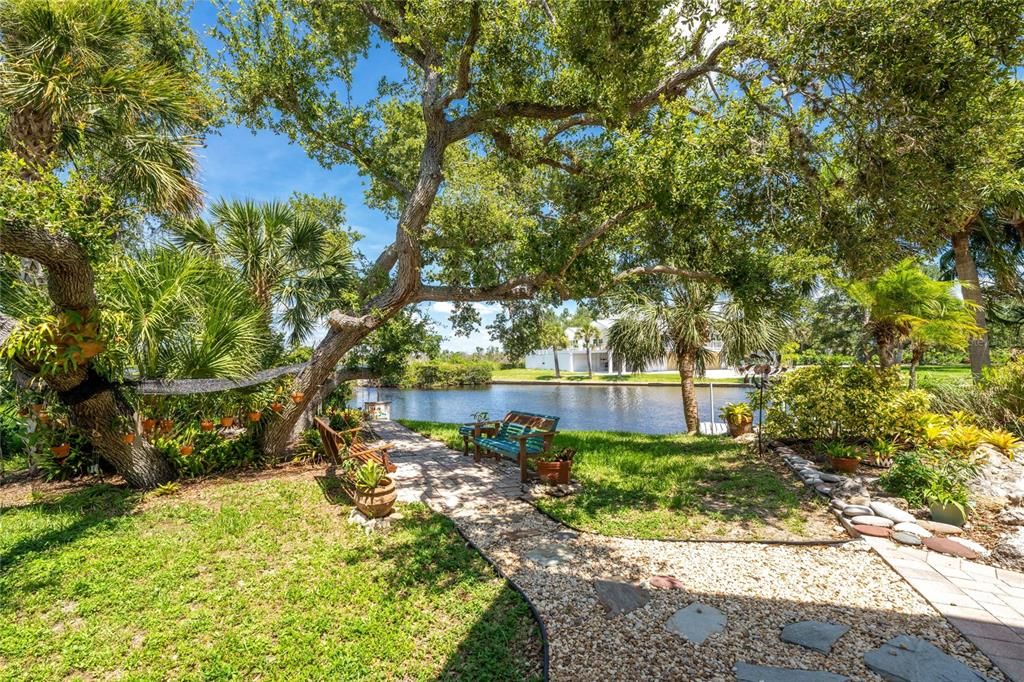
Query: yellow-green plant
{"type": "Point", "coordinates": [1003, 440]}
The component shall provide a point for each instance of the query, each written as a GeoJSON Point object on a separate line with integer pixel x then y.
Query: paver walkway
{"type": "Point", "coordinates": [759, 589]}
{"type": "Point", "coordinates": [985, 603]}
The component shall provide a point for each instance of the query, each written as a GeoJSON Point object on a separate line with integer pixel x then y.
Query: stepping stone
{"type": "Point", "coordinates": [857, 510]}
{"type": "Point", "coordinates": [550, 555]}
{"type": "Point", "coordinates": [907, 538]}
{"type": "Point", "coordinates": [891, 512]}
{"type": "Point", "coordinates": [838, 504]}
{"type": "Point", "coordinates": [665, 582]}
{"type": "Point", "coordinates": [824, 489]}
{"type": "Point", "coordinates": [942, 528]}
{"type": "Point", "coordinates": [980, 549]}
{"type": "Point", "coordinates": [947, 546]}
{"type": "Point", "coordinates": [912, 528]}
{"type": "Point", "coordinates": [618, 597]}
{"type": "Point", "coordinates": [696, 622]}
{"type": "Point", "coordinates": [746, 672]}
{"type": "Point", "coordinates": [874, 531]}
{"type": "Point", "coordinates": [814, 634]}
{"type": "Point", "coordinates": [869, 520]}
{"type": "Point", "coordinates": [832, 478]}
{"type": "Point", "coordinates": [911, 659]}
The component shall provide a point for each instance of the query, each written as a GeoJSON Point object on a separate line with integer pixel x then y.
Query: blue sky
{"type": "Point", "coordinates": [238, 163]}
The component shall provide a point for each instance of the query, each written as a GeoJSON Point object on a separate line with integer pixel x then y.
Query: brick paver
{"type": "Point", "coordinates": [981, 601]}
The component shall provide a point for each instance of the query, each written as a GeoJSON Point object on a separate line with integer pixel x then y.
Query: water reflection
{"type": "Point", "coordinates": [643, 409]}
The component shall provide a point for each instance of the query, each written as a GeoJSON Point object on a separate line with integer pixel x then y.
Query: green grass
{"type": "Point", "coordinates": [667, 487]}
{"type": "Point", "coordinates": [941, 374]}
{"type": "Point", "coordinates": [548, 375]}
{"type": "Point", "coordinates": [258, 580]}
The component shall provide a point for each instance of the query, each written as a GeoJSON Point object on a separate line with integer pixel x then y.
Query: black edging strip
{"type": "Point", "coordinates": [533, 609]}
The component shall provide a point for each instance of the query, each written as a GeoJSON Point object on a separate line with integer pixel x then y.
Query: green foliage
{"type": "Point", "coordinates": [213, 452]}
{"type": "Point", "coordinates": [387, 351]}
{"type": "Point", "coordinates": [440, 373]}
{"type": "Point", "coordinates": [853, 403]}
{"type": "Point", "coordinates": [369, 476]}
{"type": "Point", "coordinates": [837, 450]}
{"type": "Point", "coordinates": [930, 475]}
{"type": "Point", "coordinates": [345, 419]}
{"type": "Point", "coordinates": [736, 413]}
{"type": "Point", "coordinates": [908, 478]}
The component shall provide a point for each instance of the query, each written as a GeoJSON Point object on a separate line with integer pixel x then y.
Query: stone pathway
{"type": "Point", "coordinates": [985, 603]}
{"type": "Point", "coordinates": [641, 609]}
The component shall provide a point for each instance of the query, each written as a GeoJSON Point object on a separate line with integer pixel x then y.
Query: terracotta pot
{"type": "Point", "coordinates": [186, 450]}
{"type": "Point", "coordinates": [255, 416]}
{"type": "Point", "coordinates": [148, 424]}
{"type": "Point", "coordinates": [554, 472]}
{"type": "Point", "coordinates": [61, 451]}
{"type": "Point", "coordinates": [166, 425]}
{"type": "Point", "coordinates": [227, 421]}
{"type": "Point", "coordinates": [206, 424]}
{"type": "Point", "coordinates": [276, 406]}
{"type": "Point", "coordinates": [377, 502]}
{"type": "Point", "coordinates": [740, 428]}
{"type": "Point", "coordinates": [91, 349]}
{"type": "Point", "coordinates": [38, 408]}
{"type": "Point", "coordinates": [947, 513]}
{"type": "Point", "coordinates": [846, 465]}
{"type": "Point", "coordinates": [297, 397]}
{"type": "Point", "coordinates": [127, 438]}
{"type": "Point", "coordinates": [44, 417]}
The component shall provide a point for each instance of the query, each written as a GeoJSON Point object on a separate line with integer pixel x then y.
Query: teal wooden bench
{"type": "Point", "coordinates": [519, 436]}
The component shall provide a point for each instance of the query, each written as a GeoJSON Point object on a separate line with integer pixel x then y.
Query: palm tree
{"type": "Point", "coordinates": [946, 323]}
{"type": "Point", "coordinates": [904, 301]}
{"type": "Point", "coordinates": [683, 319]}
{"type": "Point", "coordinates": [589, 335]}
{"type": "Point", "coordinates": [183, 316]}
{"type": "Point", "coordinates": [293, 263]}
{"type": "Point", "coordinates": [552, 335]}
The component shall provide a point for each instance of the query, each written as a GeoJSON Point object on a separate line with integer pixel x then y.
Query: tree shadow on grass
{"type": "Point", "coordinates": [89, 507]}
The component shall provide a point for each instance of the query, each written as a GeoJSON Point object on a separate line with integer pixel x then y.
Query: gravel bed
{"type": "Point", "coordinates": [761, 588]}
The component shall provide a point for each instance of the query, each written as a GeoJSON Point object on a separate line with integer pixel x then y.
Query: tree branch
{"type": "Point", "coordinates": [465, 56]}
{"type": "Point", "coordinates": [394, 35]}
{"type": "Point", "coordinates": [599, 232]}
{"type": "Point", "coordinates": [361, 157]}
{"type": "Point", "coordinates": [696, 275]}
{"type": "Point", "coordinates": [504, 142]}
{"type": "Point", "coordinates": [519, 288]}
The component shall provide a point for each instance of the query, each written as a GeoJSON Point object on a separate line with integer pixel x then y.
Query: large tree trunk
{"type": "Point", "coordinates": [590, 364]}
{"type": "Point", "coordinates": [93, 404]}
{"type": "Point", "coordinates": [687, 368]}
{"type": "Point", "coordinates": [967, 273]}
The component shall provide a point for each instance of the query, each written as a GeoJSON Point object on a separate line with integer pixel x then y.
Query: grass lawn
{"type": "Point", "coordinates": [549, 375]}
{"type": "Point", "coordinates": [662, 487]}
{"type": "Point", "coordinates": [254, 580]}
{"type": "Point", "coordinates": [940, 374]}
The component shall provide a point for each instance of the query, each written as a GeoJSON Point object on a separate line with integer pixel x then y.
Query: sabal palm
{"type": "Point", "coordinates": [82, 81]}
{"type": "Point", "coordinates": [182, 315]}
{"type": "Point", "coordinates": [295, 266]}
{"type": "Point", "coordinates": [683, 319]}
{"type": "Point", "coordinates": [589, 335]}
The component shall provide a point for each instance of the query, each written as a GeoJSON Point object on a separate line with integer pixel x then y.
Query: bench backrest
{"type": "Point", "coordinates": [334, 443]}
{"type": "Point", "coordinates": [329, 437]}
{"type": "Point", "coordinates": [520, 423]}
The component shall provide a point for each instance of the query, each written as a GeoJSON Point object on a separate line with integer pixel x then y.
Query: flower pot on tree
{"type": "Point", "coordinates": [297, 397]}
{"type": "Point", "coordinates": [44, 417]}
{"type": "Point", "coordinates": [148, 424]}
{"type": "Point", "coordinates": [206, 424]}
{"type": "Point", "coordinates": [255, 415]}
{"type": "Point", "coordinates": [186, 450]}
{"type": "Point", "coordinates": [276, 406]}
{"type": "Point", "coordinates": [61, 451]}
{"type": "Point", "coordinates": [226, 422]}
{"type": "Point", "coordinates": [166, 425]}
{"type": "Point", "coordinates": [127, 438]}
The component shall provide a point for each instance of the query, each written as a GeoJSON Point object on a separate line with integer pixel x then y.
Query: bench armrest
{"type": "Point", "coordinates": [491, 421]}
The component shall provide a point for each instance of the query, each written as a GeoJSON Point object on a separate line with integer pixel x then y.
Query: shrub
{"type": "Point", "coordinates": [908, 478]}
{"type": "Point", "coordinates": [930, 475]}
{"type": "Point", "coordinates": [849, 403]}
{"type": "Point", "coordinates": [212, 452]}
{"type": "Point", "coordinates": [440, 373]}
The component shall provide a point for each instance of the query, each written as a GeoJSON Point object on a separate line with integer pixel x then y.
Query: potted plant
{"type": "Point", "coordinates": [186, 449]}
{"type": "Point", "coordinates": [227, 421]}
{"type": "Point", "coordinates": [298, 397]}
{"type": "Point", "coordinates": [166, 425]}
{"type": "Point", "coordinates": [206, 424]}
{"type": "Point", "coordinates": [277, 406]}
{"type": "Point", "coordinates": [125, 425]}
{"type": "Point", "coordinates": [61, 449]}
{"type": "Point", "coordinates": [555, 467]}
{"type": "Point", "coordinates": [43, 417]}
{"type": "Point", "coordinates": [148, 424]}
{"type": "Point", "coordinates": [739, 417]}
{"type": "Point", "coordinates": [842, 458]}
{"type": "Point", "coordinates": [882, 452]}
{"type": "Point", "coordinates": [374, 492]}
{"type": "Point", "coordinates": [947, 492]}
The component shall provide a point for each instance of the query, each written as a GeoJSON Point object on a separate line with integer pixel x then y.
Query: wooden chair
{"type": "Point", "coordinates": [335, 444]}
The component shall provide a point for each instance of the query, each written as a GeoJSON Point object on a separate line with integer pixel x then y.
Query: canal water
{"type": "Point", "coordinates": [641, 409]}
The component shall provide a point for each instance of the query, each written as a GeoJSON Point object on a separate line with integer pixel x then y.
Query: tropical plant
{"type": "Point", "coordinates": [837, 450]}
{"type": "Point", "coordinates": [908, 478]}
{"type": "Point", "coordinates": [295, 265]}
{"type": "Point", "coordinates": [1004, 441]}
{"type": "Point", "coordinates": [370, 476]}
{"type": "Point", "coordinates": [552, 335]}
{"type": "Point", "coordinates": [905, 304]}
{"type": "Point", "coordinates": [737, 413]}
{"type": "Point", "coordinates": [682, 319]}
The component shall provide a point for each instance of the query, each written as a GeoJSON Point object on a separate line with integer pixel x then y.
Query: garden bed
{"type": "Point", "coordinates": [674, 487]}
{"type": "Point", "coordinates": [256, 579]}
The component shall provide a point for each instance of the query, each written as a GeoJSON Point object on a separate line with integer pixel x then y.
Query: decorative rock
{"type": "Point", "coordinates": [814, 634]}
{"type": "Point", "coordinates": [618, 597]}
{"type": "Point", "coordinates": [696, 622]}
{"type": "Point", "coordinates": [1011, 545]}
{"type": "Point", "coordinates": [911, 659]}
{"type": "Point", "coordinates": [971, 545]}
{"type": "Point", "coordinates": [1012, 516]}
{"type": "Point", "coordinates": [941, 528]}
{"type": "Point", "coordinates": [550, 555]}
{"type": "Point", "coordinates": [825, 490]}
{"type": "Point", "coordinates": [874, 531]}
{"type": "Point", "coordinates": [868, 520]}
{"type": "Point", "coordinates": [907, 538]}
{"type": "Point", "coordinates": [665, 582]}
{"type": "Point", "coordinates": [856, 510]}
{"type": "Point", "coordinates": [831, 478]}
{"type": "Point", "coordinates": [862, 500]}
{"type": "Point", "coordinates": [912, 528]}
{"type": "Point", "coordinates": [838, 504]}
{"type": "Point", "coordinates": [746, 672]}
{"type": "Point", "coordinates": [892, 513]}
{"type": "Point", "coordinates": [947, 546]}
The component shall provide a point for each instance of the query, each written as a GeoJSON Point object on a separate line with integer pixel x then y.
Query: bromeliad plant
{"type": "Point", "coordinates": [370, 476]}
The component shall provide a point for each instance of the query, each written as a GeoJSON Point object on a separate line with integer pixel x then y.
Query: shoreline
{"type": "Point", "coordinates": [591, 382]}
